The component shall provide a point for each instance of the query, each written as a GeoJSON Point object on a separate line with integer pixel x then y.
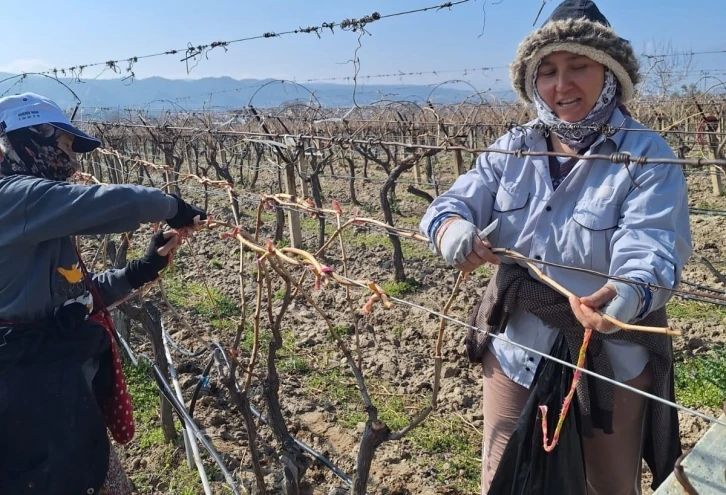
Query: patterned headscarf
{"type": "Point", "coordinates": [580, 135]}
{"type": "Point", "coordinates": [34, 151]}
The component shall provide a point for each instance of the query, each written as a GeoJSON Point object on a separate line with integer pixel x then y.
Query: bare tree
{"type": "Point", "coordinates": [665, 69]}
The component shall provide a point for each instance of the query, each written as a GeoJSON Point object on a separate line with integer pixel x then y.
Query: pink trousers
{"type": "Point", "coordinates": [613, 462]}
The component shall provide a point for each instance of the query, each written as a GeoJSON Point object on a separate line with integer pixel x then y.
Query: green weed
{"type": "Point", "coordinates": [400, 289]}
{"type": "Point", "coordinates": [701, 380]}
{"type": "Point", "coordinates": [411, 249]}
{"type": "Point", "coordinates": [456, 443]}
{"type": "Point", "coordinates": [694, 310]}
{"type": "Point", "coordinates": [221, 311]}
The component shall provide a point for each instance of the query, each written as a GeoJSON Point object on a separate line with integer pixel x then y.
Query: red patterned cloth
{"type": "Point", "coordinates": [118, 410]}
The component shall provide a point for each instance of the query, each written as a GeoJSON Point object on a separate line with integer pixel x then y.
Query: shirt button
{"type": "Point", "coordinates": [90, 491]}
{"type": "Point", "coordinates": [548, 208]}
{"type": "Point", "coordinates": [531, 359]}
{"type": "Point", "coordinates": [538, 257]}
{"type": "Point", "coordinates": [527, 368]}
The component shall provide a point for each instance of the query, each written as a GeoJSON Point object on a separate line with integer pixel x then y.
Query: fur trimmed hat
{"type": "Point", "coordinates": [575, 26]}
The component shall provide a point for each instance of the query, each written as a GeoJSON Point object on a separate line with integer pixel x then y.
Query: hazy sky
{"type": "Point", "coordinates": [477, 34]}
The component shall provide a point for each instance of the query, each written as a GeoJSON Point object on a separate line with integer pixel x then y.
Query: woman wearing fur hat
{"type": "Point", "coordinates": [61, 382]}
{"type": "Point", "coordinates": [629, 222]}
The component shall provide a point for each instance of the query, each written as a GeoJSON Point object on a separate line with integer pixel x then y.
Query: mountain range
{"type": "Point", "coordinates": [218, 93]}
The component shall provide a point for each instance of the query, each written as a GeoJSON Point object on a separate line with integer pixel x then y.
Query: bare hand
{"type": "Point", "coordinates": [199, 223]}
{"type": "Point", "coordinates": [172, 243]}
{"type": "Point", "coordinates": [585, 309]}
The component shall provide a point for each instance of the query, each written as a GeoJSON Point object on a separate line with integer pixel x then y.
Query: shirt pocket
{"type": "Point", "coordinates": [510, 207]}
{"type": "Point", "coordinates": [595, 223]}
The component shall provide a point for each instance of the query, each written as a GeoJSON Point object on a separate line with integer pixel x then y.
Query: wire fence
{"type": "Point", "coordinates": [196, 51]}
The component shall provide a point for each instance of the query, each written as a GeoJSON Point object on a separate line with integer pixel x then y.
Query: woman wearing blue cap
{"type": "Point", "coordinates": [61, 386]}
{"type": "Point", "coordinates": [625, 221]}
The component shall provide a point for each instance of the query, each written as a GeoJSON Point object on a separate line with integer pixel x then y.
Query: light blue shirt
{"type": "Point", "coordinates": [596, 219]}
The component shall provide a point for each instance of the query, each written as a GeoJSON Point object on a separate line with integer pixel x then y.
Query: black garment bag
{"type": "Point", "coordinates": [526, 468]}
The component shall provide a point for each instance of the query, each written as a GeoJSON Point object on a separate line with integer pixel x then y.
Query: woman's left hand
{"type": "Point", "coordinates": [158, 254]}
{"type": "Point", "coordinates": [586, 308]}
{"type": "Point", "coordinates": [619, 300]}
{"type": "Point", "coordinates": [165, 243]}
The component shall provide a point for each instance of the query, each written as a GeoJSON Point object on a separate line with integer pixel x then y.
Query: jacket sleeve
{"type": "Point", "coordinates": [470, 197]}
{"type": "Point", "coordinates": [112, 285]}
{"type": "Point", "coordinates": [653, 241]}
{"type": "Point", "coordinates": [56, 209]}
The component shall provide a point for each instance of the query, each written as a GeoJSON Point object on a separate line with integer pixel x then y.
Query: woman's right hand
{"type": "Point", "coordinates": [460, 245]}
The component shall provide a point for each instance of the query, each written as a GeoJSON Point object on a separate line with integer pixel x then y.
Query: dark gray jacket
{"type": "Point", "coordinates": [38, 266]}
{"type": "Point", "coordinates": [53, 438]}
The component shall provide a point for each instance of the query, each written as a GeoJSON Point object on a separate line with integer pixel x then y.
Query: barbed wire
{"type": "Point", "coordinates": [682, 54]}
{"type": "Point", "coordinates": [622, 157]}
{"type": "Point", "coordinates": [608, 130]}
{"type": "Point", "coordinates": [494, 105]}
{"type": "Point", "coordinates": [308, 208]}
{"type": "Point", "coordinates": [192, 51]}
{"type": "Point", "coordinates": [434, 72]}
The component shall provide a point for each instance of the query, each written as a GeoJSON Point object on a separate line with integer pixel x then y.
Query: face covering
{"type": "Point", "coordinates": [580, 138]}
{"type": "Point", "coordinates": [34, 151]}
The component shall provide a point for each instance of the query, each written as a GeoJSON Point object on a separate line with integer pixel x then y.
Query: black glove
{"type": "Point", "coordinates": [185, 214]}
{"type": "Point", "coordinates": [146, 269]}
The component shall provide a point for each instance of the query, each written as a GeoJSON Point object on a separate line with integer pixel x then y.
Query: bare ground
{"type": "Point", "coordinates": [318, 394]}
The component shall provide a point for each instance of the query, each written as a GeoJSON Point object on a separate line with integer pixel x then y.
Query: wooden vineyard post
{"type": "Point", "coordinates": [458, 163]}
{"type": "Point", "coordinates": [170, 177]}
{"type": "Point", "coordinates": [417, 166]}
{"type": "Point", "coordinates": [97, 168]}
{"type": "Point", "coordinates": [472, 145]}
{"type": "Point", "coordinates": [458, 160]}
{"type": "Point", "coordinates": [223, 155]}
{"type": "Point", "coordinates": [303, 163]}
{"type": "Point", "coordinates": [417, 173]}
{"type": "Point", "coordinates": [716, 181]}
{"type": "Point", "coordinates": [188, 160]}
{"type": "Point", "coordinates": [293, 217]}
{"type": "Point", "coordinates": [120, 169]}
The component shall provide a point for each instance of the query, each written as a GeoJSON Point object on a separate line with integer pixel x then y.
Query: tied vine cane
{"type": "Point", "coordinates": [549, 447]}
